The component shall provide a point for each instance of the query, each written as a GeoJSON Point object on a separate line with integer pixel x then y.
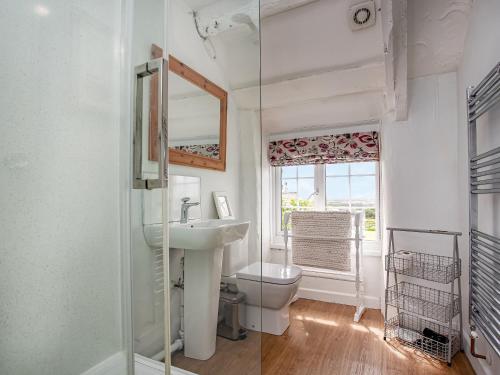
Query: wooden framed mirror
{"type": "Point", "coordinates": [197, 120]}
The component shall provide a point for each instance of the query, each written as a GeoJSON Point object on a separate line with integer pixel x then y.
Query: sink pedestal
{"type": "Point", "coordinates": [202, 278]}
{"type": "Point", "coordinates": [203, 243]}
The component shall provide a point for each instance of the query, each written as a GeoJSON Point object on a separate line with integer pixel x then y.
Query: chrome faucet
{"type": "Point", "coordinates": [185, 208]}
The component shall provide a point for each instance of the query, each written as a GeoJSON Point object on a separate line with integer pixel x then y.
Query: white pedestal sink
{"type": "Point", "coordinates": [203, 243]}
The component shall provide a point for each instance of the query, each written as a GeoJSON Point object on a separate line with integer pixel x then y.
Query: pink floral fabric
{"type": "Point", "coordinates": [208, 150]}
{"type": "Point", "coordinates": [327, 149]}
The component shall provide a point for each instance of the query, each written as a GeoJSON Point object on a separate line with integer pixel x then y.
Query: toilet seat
{"type": "Point", "coordinates": [270, 273]}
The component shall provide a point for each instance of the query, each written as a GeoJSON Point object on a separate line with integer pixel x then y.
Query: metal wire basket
{"type": "Point", "coordinates": [409, 329]}
{"type": "Point", "coordinates": [436, 268]}
{"type": "Point", "coordinates": [429, 302]}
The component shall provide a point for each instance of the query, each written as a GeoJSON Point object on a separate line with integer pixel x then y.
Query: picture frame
{"type": "Point", "coordinates": [222, 205]}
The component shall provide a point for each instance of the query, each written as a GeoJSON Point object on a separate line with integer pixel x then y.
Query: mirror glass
{"type": "Point", "coordinates": [224, 208]}
{"type": "Point", "coordinates": [194, 118]}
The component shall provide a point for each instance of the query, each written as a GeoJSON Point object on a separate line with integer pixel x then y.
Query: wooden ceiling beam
{"type": "Point", "coordinates": [395, 31]}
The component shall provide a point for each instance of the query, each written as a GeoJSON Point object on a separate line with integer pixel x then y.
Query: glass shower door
{"type": "Point", "coordinates": [70, 218]}
{"type": "Point", "coordinates": [214, 136]}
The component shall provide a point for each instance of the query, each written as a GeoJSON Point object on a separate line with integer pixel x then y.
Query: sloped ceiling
{"type": "Point", "coordinates": [313, 38]}
{"type": "Point", "coordinates": [316, 72]}
{"type": "Point", "coordinates": [436, 35]}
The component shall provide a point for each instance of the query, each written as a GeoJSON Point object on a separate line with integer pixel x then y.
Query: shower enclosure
{"type": "Point", "coordinates": [88, 282]}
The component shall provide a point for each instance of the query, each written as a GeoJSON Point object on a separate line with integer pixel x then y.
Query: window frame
{"type": "Point", "coordinates": [370, 247]}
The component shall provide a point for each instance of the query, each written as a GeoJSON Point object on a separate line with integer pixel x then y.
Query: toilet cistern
{"type": "Point", "coordinates": [185, 209]}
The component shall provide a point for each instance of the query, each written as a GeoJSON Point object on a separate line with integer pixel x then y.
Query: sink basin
{"type": "Point", "coordinates": [197, 235]}
{"type": "Point", "coordinates": [206, 234]}
{"type": "Point", "coordinates": [203, 242]}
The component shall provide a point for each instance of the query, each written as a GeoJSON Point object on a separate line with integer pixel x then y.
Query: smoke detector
{"type": "Point", "coordinates": [362, 15]}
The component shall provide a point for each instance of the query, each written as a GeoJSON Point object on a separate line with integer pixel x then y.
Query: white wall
{"type": "Point", "coordinates": [419, 159]}
{"type": "Point", "coordinates": [60, 310]}
{"type": "Point", "coordinates": [419, 168]}
{"type": "Point", "coordinates": [185, 44]}
{"type": "Point", "coordinates": [481, 53]}
{"type": "Point", "coordinates": [251, 180]}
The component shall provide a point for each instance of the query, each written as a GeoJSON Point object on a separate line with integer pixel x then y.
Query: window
{"type": "Point", "coordinates": [344, 186]}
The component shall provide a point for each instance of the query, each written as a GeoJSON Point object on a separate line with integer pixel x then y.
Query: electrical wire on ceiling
{"type": "Point", "coordinates": [207, 43]}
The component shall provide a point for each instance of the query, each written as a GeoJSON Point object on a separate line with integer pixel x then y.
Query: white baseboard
{"type": "Point", "coordinates": [113, 365]}
{"type": "Point", "coordinates": [371, 302]}
{"type": "Point", "coordinates": [117, 365]}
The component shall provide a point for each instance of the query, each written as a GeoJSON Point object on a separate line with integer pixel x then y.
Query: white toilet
{"type": "Point", "coordinates": [269, 285]}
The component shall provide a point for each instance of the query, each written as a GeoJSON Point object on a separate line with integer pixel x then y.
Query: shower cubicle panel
{"type": "Point", "coordinates": [61, 186]}
{"type": "Point", "coordinates": [70, 219]}
{"type": "Point", "coordinates": [148, 190]}
{"type": "Point", "coordinates": [214, 136]}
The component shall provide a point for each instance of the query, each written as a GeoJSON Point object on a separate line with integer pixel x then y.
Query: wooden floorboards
{"type": "Point", "coordinates": [321, 340]}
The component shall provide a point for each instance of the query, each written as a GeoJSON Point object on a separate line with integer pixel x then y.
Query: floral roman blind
{"type": "Point", "coordinates": [325, 149]}
{"type": "Point", "coordinates": [208, 150]}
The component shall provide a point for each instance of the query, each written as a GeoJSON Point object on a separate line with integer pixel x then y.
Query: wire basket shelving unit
{"type": "Point", "coordinates": [428, 319]}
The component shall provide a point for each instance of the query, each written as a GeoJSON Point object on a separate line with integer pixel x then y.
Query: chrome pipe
{"type": "Point", "coordinates": [486, 154]}
{"type": "Point", "coordinates": [487, 105]}
{"type": "Point", "coordinates": [485, 164]}
{"type": "Point", "coordinates": [485, 191]}
{"type": "Point", "coordinates": [480, 264]}
{"type": "Point", "coordinates": [491, 90]}
{"type": "Point", "coordinates": [485, 173]}
{"type": "Point", "coordinates": [489, 237]}
{"type": "Point", "coordinates": [490, 181]}
{"type": "Point", "coordinates": [495, 248]}
{"type": "Point", "coordinates": [479, 89]}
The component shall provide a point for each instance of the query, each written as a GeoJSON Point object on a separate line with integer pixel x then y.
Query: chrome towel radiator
{"type": "Point", "coordinates": [484, 248]}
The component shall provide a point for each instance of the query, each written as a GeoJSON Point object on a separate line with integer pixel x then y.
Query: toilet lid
{"type": "Point", "coordinates": [271, 273]}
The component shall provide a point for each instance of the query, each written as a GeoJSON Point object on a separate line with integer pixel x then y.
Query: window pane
{"type": "Point", "coordinates": [293, 200]}
{"type": "Point", "coordinates": [306, 170]}
{"type": "Point", "coordinates": [370, 224]}
{"type": "Point", "coordinates": [363, 168]}
{"type": "Point", "coordinates": [363, 190]}
{"type": "Point", "coordinates": [341, 169]}
{"type": "Point", "coordinates": [306, 190]}
{"type": "Point", "coordinates": [337, 190]}
{"type": "Point", "coordinates": [287, 172]}
{"type": "Point", "coordinates": [289, 186]}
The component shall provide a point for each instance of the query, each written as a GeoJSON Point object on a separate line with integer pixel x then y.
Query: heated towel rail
{"type": "Point", "coordinates": [330, 222]}
{"type": "Point", "coordinates": [484, 248]}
